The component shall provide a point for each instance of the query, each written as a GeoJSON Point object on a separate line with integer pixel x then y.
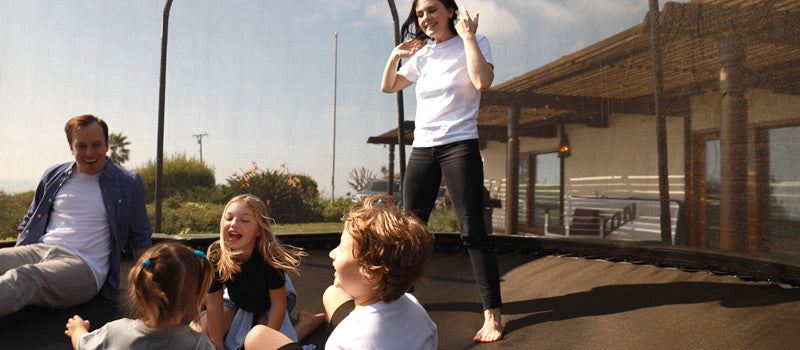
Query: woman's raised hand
{"type": "Point", "coordinates": [465, 25]}
{"type": "Point", "coordinates": [409, 48]}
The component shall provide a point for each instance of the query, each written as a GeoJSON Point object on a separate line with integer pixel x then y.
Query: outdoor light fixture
{"type": "Point", "coordinates": [563, 146]}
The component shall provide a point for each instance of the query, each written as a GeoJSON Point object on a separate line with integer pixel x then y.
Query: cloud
{"type": "Point", "coordinates": [555, 11]}
{"type": "Point", "coordinates": [607, 7]}
{"type": "Point", "coordinates": [379, 11]}
{"type": "Point", "coordinates": [575, 11]}
{"type": "Point", "coordinates": [495, 21]}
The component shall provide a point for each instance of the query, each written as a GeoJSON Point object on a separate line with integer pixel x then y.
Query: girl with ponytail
{"type": "Point", "coordinates": [166, 291]}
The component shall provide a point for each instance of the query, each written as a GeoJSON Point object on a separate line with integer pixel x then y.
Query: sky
{"type": "Point", "coordinates": [258, 77]}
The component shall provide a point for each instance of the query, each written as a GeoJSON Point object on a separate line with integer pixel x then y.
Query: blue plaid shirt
{"type": "Point", "coordinates": [123, 197]}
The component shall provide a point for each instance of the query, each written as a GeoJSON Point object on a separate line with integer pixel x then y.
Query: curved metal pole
{"type": "Point", "coordinates": [400, 112]}
{"type": "Point", "coordinates": [161, 92]}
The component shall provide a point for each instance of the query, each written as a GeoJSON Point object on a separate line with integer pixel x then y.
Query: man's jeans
{"type": "Point", "coordinates": [43, 275]}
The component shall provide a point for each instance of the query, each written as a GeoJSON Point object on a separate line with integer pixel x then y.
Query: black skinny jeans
{"type": "Point", "coordinates": [462, 167]}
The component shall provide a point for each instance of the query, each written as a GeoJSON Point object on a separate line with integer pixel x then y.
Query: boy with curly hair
{"type": "Point", "coordinates": [383, 252]}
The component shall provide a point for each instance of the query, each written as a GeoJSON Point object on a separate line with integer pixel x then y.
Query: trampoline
{"type": "Point", "coordinates": [558, 294]}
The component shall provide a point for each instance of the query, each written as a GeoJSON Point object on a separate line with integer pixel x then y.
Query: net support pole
{"type": "Point", "coordinates": [162, 87]}
{"type": "Point", "coordinates": [401, 133]}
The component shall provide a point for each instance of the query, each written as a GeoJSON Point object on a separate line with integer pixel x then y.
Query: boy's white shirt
{"type": "Point", "coordinates": [400, 324]}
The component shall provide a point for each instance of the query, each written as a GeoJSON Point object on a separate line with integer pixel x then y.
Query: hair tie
{"type": "Point", "coordinates": [146, 262]}
{"type": "Point", "coordinates": [200, 254]}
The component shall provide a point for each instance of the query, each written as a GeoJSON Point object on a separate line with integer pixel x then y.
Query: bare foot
{"type": "Point", "coordinates": [307, 323]}
{"type": "Point", "coordinates": [492, 329]}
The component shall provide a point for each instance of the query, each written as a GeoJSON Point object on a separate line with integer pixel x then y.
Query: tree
{"type": "Point", "coordinates": [360, 177]}
{"type": "Point", "coordinates": [118, 144]}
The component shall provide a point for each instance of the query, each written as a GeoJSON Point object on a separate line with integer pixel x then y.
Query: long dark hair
{"type": "Point", "coordinates": [410, 28]}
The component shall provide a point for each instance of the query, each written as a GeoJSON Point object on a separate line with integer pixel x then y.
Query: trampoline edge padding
{"type": "Point", "coordinates": [746, 265]}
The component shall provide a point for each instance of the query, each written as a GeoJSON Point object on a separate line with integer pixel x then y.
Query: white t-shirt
{"type": "Point", "coordinates": [78, 223]}
{"type": "Point", "coordinates": [447, 102]}
{"type": "Point", "coordinates": [400, 324]}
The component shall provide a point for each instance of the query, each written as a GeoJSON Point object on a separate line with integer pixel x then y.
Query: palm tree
{"type": "Point", "coordinates": [118, 144]}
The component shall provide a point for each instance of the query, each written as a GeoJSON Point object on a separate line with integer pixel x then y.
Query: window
{"type": "Point", "coordinates": [539, 190]}
{"type": "Point", "coordinates": [783, 210]}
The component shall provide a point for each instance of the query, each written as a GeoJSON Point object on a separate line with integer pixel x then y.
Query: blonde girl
{"type": "Point", "coordinates": [167, 289]}
{"type": "Point", "coordinates": [250, 285]}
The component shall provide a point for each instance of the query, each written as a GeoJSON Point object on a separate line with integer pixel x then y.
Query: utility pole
{"type": "Point", "coordinates": [200, 142]}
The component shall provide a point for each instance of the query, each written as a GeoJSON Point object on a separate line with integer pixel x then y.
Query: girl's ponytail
{"type": "Point", "coordinates": [167, 284]}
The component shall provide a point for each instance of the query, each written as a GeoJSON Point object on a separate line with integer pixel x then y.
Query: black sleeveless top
{"type": "Point", "coordinates": [249, 289]}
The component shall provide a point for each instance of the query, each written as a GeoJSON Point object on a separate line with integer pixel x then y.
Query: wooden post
{"type": "Point", "coordinates": [733, 146]}
{"type": "Point", "coordinates": [661, 126]}
{"type": "Point", "coordinates": [683, 231]}
{"type": "Point", "coordinates": [512, 171]}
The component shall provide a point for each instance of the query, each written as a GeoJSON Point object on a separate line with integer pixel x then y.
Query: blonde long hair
{"type": "Point", "coordinates": [169, 280]}
{"type": "Point", "coordinates": [280, 256]}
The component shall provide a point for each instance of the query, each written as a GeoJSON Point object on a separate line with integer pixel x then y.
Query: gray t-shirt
{"type": "Point", "coordinates": [126, 333]}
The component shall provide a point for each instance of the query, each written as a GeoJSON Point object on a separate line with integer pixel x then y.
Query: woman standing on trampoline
{"type": "Point", "coordinates": [450, 72]}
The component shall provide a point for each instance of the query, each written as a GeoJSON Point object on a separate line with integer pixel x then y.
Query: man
{"type": "Point", "coordinates": [82, 215]}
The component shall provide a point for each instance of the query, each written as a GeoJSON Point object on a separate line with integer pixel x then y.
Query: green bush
{"type": "Point", "coordinates": [443, 219]}
{"type": "Point", "coordinates": [179, 217]}
{"type": "Point", "coordinates": [308, 187]}
{"type": "Point", "coordinates": [287, 195]}
{"type": "Point", "coordinates": [332, 213]}
{"type": "Point", "coordinates": [338, 210]}
{"type": "Point", "coordinates": [344, 205]}
{"type": "Point", "coordinates": [180, 175]}
{"type": "Point", "coordinates": [12, 208]}
{"type": "Point", "coordinates": [323, 211]}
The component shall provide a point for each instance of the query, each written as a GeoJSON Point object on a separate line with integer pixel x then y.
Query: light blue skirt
{"type": "Point", "coordinates": [243, 320]}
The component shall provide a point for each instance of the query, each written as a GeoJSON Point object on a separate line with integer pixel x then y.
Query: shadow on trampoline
{"type": "Point", "coordinates": [607, 300]}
